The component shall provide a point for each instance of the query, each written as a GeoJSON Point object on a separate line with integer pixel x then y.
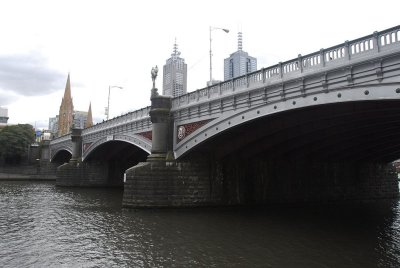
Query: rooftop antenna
{"type": "Point", "coordinates": [240, 44]}
{"type": "Point", "coordinates": [175, 53]}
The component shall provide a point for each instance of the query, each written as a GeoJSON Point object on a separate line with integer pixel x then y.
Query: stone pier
{"type": "Point", "coordinates": [163, 182]}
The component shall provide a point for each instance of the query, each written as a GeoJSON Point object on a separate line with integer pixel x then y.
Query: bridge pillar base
{"type": "Point", "coordinates": [159, 184]}
{"type": "Point", "coordinates": [78, 174]}
{"type": "Point", "coordinates": [156, 157]}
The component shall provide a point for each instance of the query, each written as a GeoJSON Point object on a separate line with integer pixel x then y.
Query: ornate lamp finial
{"type": "Point", "coordinates": [154, 72]}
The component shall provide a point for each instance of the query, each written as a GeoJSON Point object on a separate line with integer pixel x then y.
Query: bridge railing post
{"type": "Point", "coordinates": [300, 62]}
{"type": "Point", "coordinates": [322, 55]}
{"type": "Point", "coordinates": [280, 69]}
{"type": "Point", "coordinates": [264, 76]}
{"type": "Point", "coordinates": [347, 49]}
{"type": "Point", "coordinates": [376, 41]}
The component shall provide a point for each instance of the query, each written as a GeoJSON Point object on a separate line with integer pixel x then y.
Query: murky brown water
{"type": "Point", "coordinates": [45, 226]}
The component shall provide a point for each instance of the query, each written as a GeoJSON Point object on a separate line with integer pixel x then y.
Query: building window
{"type": "Point", "coordinates": [248, 66]}
{"type": "Point", "coordinates": [231, 68]}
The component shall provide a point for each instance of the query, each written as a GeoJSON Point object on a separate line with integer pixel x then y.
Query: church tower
{"type": "Point", "coordinates": [89, 119]}
{"type": "Point", "coordinates": [65, 117]}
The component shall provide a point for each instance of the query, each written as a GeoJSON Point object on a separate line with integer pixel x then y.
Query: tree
{"type": "Point", "coordinates": [14, 142]}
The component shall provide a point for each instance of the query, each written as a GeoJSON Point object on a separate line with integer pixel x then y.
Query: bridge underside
{"type": "Point", "coordinates": [104, 167]}
{"type": "Point", "coordinates": [328, 152]}
{"type": "Point", "coordinates": [366, 131]}
{"type": "Point", "coordinates": [62, 156]}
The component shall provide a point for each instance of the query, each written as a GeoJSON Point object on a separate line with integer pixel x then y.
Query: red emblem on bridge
{"type": "Point", "coordinates": [185, 130]}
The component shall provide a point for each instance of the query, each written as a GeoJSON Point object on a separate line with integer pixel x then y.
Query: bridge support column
{"type": "Point", "coordinates": [160, 119]}
{"type": "Point", "coordinates": [162, 181]}
{"type": "Point", "coordinates": [76, 173]}
{"type": "Point", "coordinates": [76, 137]}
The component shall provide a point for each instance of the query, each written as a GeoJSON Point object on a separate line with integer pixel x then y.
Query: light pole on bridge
{"type": "Point", "coordinates": [211, 29]}
{"type": "Point", "coordinates": [108, 103]}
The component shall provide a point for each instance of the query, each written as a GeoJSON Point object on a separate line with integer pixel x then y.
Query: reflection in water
{"type": "Point", "coordinates": [43, 225]}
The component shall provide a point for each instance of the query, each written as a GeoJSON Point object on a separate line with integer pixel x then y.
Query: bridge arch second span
{"type": "Point", "coordinates": [136, 140]}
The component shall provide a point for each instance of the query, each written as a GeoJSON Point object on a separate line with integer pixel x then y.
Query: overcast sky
{"type": "Point", "coordinates": [117, 42]}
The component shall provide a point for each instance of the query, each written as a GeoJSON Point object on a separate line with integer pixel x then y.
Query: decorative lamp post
{"type": "Point", "coordinates": [211, 29]}
{"type": "Point", "coordinates": [108, 103]}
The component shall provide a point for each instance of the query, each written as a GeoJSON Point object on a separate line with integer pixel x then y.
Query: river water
{"type": "Point", "coordinates": [42, 225]}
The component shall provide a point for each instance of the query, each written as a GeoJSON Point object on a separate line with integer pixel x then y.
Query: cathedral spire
{"type": "Point", "coordinates": [89, 120]}
{"type": "Point", "coordinates": [67, 92]}
{"type": "Point", "coordinates": [65, 116]}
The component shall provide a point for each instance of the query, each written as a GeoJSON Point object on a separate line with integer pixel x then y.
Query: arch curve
{"type": "Point", "coordinates": [136, 140]}
{"type": "Point", "coordinates": [228, 121]}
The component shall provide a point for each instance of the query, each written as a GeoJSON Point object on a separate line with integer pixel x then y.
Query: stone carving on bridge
{"type": "Point", "coordinates": [148, 134]}
{"type": "Point", "coordinates": [185, 130]}
{"type": "Point", "coordinates": [154, 91]}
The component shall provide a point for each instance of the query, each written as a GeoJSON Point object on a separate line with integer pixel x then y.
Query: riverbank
{"type": "Point", "coordinates": [26, 177]}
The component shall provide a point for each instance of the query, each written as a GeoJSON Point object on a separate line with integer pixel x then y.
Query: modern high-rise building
{"type": "Point", "coordinates": [82, 119]}
{"type": "Point", "coordinates": [239, 63]}
{"type": "Point", "coordinates": [53, 125]}
{"type": "Point", "coordinates": [3, 116]}
{"type": "Point", "coordinates": [175, 75]}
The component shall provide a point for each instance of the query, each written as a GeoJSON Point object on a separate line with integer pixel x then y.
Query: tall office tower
{"type": "Point", "coordinates": [53, 125]}
{"type": "Point", "coordinates": [65, 117]}
{"type": "Point", "coordinates": [3, 116]}
{"type": "Point", "coordinates": [239, 63]}
{"type": "Point", "coordinates": [175, 75]}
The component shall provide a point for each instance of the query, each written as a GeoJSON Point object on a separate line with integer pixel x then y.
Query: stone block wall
{"type": "Point", "coordinates": [82, 174]}
{"type": "Point", "coordinates": [261, 181]}
{"type": "Point", "coordinates": [170, 184]}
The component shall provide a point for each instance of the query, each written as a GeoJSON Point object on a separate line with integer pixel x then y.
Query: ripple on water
{"type": "Point", "coordinates": [45, 226]}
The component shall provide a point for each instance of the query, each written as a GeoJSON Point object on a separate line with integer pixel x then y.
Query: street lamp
{"type": "Point", "coordinates": [108, 104]}
{"type": "Point", "coordinates": [211, 29]}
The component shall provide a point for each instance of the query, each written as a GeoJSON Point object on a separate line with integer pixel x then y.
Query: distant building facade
{"type": "Point", "coordinates": [53, 125]}
{"type": "Point", "coordinates": [3, 116]}
{"type": "Point", "coordinates": [239, 63]}
{"type": "Point", "coordinates": [175, 75]}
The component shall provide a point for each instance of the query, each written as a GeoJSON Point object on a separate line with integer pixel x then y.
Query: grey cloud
{"type": "Point", "coordinates": [28, 75]}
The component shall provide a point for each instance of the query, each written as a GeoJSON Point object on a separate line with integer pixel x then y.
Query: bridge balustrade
{"type": "Point", "coordinates": [61, 139]}
{"type": "Point", "coordinates": [325, 58]}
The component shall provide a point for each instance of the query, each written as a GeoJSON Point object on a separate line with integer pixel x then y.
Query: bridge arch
{"type": "Point", "coordinates": [61, 155]}
{"type": "Point", "coordinates": [372, 93]}
{"type": "Point", "coordinates": [136, 140]}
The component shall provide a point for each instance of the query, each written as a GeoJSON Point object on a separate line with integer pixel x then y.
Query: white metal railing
{"type": "Point", "coordinates": [138, 115]}
{"type": "Point", "coordinates": [119, 121]}
{"type": "Point", "coordinates": [60, 139]}
{"type": "Point", "coordinates": [342, 53]}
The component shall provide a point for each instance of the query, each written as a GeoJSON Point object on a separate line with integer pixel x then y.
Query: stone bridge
{"type": "Point", "coordinates": [332, 115]}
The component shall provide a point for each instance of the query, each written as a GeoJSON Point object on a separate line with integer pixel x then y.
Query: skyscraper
{"type": "Point", "coordinates": [3, 116]}
{"type": "Point", "coordinates": [65, 117]}
{"type": "Point", "coordinates": [175, 75]}
{"type": "Point", "coordinates": [239, 63]}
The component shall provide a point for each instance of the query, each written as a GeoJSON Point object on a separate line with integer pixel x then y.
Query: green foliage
{"type": "Point", "coordinates": [14, 141]}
